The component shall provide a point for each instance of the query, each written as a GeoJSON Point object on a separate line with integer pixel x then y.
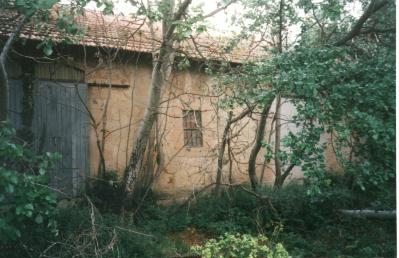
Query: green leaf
{"type": "Point", "coordinates": [47, 50]}
{"type": "Point", "coordinates": [9, 188]}
{"type": "Point", "coordinates": [42, 171]}
{"type": "Point", "coordinates": [39, 219]}
{"type": "Point", "coordinates": [29, 206]}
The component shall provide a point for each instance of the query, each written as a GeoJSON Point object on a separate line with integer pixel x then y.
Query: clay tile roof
{"type": "Point", "coordinates": [132, 35]}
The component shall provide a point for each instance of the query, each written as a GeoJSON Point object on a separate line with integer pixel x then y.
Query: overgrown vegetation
{"type": "Point", "coordinates": [241, 246]}
{"type": "Point", "coordinates": [305, 227]}
{"type": "Point", "coordinates": [332, 73]}
{"type": "Point", "coordinates": [339, 76]}
{"type": "Point", "coordinates": [27, 206]}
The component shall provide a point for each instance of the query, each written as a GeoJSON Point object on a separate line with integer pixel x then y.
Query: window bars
{"type": "Point", "coordinates": [192, 126]}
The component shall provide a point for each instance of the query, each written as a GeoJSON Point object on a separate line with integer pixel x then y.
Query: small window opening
{"type": "Point", "coordinates": [192, 125]}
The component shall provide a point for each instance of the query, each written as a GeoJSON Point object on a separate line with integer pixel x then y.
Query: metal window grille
{"type": "Point", "coordinates": [192, 125]}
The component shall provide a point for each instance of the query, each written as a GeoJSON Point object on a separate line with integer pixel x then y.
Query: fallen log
{"type": "Point", "coordinates": [372, 214]}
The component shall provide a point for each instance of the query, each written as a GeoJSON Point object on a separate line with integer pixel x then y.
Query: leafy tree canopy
{"type": "Point", "coordinates": [339, 74]}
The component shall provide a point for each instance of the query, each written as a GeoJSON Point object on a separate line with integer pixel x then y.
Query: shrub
{"type": "Point", "coordinates": [241, 246]}
{"type": "Point", "coordinates": [231, 211]}
{"type": "Point", "coordinates": [27, 205]}
{"type": "Point", "coordinates": [107, 192]}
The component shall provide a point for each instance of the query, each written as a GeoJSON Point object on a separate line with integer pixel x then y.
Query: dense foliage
{"type": "Point", "coordinates": [240, 246]}
{"type": "Point", "coordinates": [340, 81]}
{"type": "Point", "coordinates": [27, 205]}
{"type": "Point", "coordinates": [305, 227]}
{"type": "Point", "coordinates": [352, 99]}
{"type": "Point", "coordinates": [349, 98]}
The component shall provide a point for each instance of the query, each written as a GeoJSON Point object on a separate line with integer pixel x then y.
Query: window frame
{"type": "Point", "coordinates": [192, 128]}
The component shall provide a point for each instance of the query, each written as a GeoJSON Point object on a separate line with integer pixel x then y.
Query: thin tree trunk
{"type": "Point", "coordinates": [160, 74]}
{"type": "Point", "coordinates": [279, 181]}
{"type": "Point", "coordinates": [266, 162]}
{"type": "Point", "coordinates": [160, 154]}
{"type": "Point", "coordinates": [226, 140]}
{"type": "Point", "coordinates": [372, 8]}
{"type": "Point", "coordinates": [104, 119]}
{"type": "Point", "coordinates": [260, 133]}
{"type": "Point", "coordinates": [4, 86]}
{"type": "Point", "coordinates": [277, 139]}
{"type": "Point", "coordinates": [262, 175]}
{"type": "Point", "coordinates": [229, 150]}
{"type": "Point", "coordinates": [221, 152]}
{"type": "Point", "coordinates": [281, 25]}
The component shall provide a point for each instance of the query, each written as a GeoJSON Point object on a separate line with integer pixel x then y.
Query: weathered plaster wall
{"type": "Point", "coordinates": [186, 168]}
{"type": "Point", "coordinates": [124, 112]}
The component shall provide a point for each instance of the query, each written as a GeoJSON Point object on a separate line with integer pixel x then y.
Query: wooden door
{"type": "Point", "coordinates": [60, 124]}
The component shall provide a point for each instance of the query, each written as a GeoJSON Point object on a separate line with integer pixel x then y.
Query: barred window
{"type": "Point", "coordinates": [192, 125]}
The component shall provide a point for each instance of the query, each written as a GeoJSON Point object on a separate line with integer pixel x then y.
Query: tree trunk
{"type": "Point", "coordinates": [147, 177]}
{"type": "Point", "coordinates": [226, 140]}
{"type": "Point", "coordinates": [160, 74]}
{"type": "Point", "coordinates": [230, 160]}
{"type": "Point", "coordinates": [260, 133]}
{"type": "Point", "coordinates": [4, 89]}
{"type": "Point", "coordinates": [279, 181]}
{"type": "Point", "coordinates": [4, 86]}
{"type": "Point", "coordinates": [221, 152]}
{"type": "Point", "coordinates": [373, 7]}
{"type": "Point", "coordinates": [277, 139]}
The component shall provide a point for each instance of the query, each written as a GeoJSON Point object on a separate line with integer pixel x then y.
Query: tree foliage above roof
{"type": "Point", "coordinates": [339, 72]}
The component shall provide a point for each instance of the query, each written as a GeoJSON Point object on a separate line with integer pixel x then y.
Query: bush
{"type": "Point", "coordinates": [235, 210]}
{"type": "Point", "coordinates": [231, 211]}
{"type": "Point", "coordinates": [107, 192]}
{"type": "Point", "coordinates": [298, 210]}
{"type": "Point", "coordinates": [241, 246]}
{"type": "Point", "coordinates": [27, 205]}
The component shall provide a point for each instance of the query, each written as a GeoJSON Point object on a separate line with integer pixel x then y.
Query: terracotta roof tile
{"type": "Point", "coordinates": [132, 35]}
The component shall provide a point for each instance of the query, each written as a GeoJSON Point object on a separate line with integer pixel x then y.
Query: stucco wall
{"type": "Point", "coordinates": [186, 168]}
{"type": "Point", "coordinates": [124, 112]}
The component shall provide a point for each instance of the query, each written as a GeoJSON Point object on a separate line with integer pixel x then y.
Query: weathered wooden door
{"type": "Point", "coordinates": [60, 124]}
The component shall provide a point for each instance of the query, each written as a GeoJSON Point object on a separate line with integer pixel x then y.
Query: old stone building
{"type": "Point", "coordinates": [110, 67]}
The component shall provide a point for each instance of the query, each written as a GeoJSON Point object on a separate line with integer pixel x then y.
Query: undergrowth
{"type": "Point", "coordinates": [305, 226]}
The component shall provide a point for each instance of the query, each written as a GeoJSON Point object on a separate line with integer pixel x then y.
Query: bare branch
{"type": "Point", "coordinates": [219, 9]}
{"type": "Point", "coordinates": [372, 8]}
